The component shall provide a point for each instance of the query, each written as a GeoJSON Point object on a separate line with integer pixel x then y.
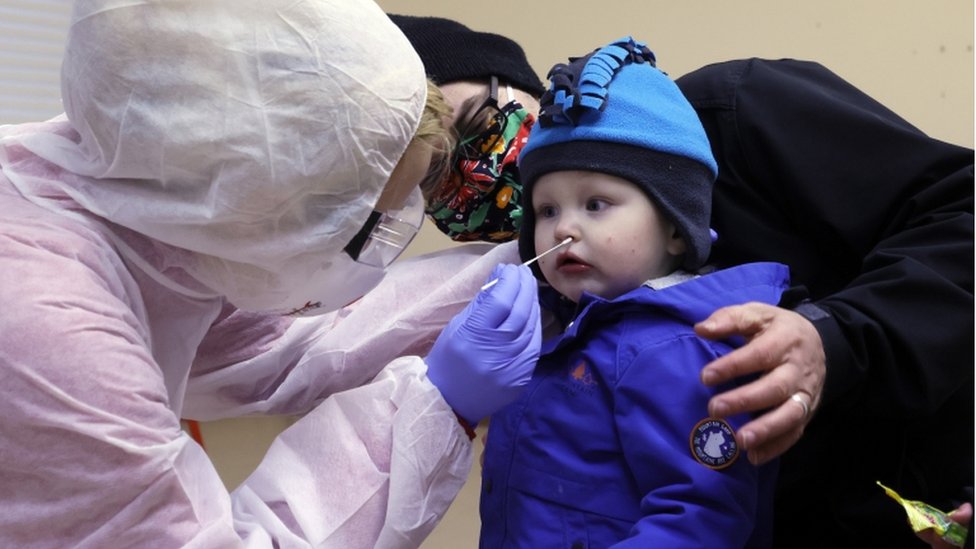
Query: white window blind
{"type": "Point", "coordinates": [32, 37]}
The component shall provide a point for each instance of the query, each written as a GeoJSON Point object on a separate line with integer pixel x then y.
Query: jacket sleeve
{"type": "Point", "coordinates": [686, 504]}
{"type": "Point", "coordinates": [873, 216]}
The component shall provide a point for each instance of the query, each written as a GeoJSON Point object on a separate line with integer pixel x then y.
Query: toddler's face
{"type": "Point", "coordinates": [620, 239]}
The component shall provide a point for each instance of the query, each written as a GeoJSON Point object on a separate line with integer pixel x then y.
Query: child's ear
{"type": "Point", "coordinates": [676, 244]}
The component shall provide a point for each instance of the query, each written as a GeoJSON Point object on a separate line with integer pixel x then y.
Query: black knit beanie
{"type": "Point", "coordinates": [451, 51]}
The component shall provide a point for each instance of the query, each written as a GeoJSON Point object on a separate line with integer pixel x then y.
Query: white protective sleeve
{"type": "Point", "coordinates": [375, 464]}
{"type": "Point", "coordinates": [378, 462]}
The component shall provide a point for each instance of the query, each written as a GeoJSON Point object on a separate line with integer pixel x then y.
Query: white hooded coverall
{"type": "Point", "coordinates": [209, 150]}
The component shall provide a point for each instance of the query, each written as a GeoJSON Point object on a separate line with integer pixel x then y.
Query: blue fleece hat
{"type": "Point", "coordinates": [613, 111]}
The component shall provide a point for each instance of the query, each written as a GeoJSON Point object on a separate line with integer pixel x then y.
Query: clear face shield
{"type": "Point", "coordinates": [364, 260]}
{"type": "Point", "coordinates": [386, 234]}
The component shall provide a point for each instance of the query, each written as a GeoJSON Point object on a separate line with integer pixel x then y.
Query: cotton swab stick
{"type": "Point", "coordinates": [533, 260]}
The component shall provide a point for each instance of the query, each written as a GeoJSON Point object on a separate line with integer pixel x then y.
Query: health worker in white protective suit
{"type": "Point", "coordinates": [220, 164]}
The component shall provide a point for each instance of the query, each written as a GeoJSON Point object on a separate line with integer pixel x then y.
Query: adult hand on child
{"type": "Point", "coordinates": [487, 353]}
{"type": "Point", "coordinates": [787, 348]}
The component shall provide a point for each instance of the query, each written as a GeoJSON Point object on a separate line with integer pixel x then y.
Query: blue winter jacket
{"type": "Point", "coordinates": [611, 444]}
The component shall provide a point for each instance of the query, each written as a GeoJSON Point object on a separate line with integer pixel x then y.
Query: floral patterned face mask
{"type": "Point", "coordinates": [481, 199]}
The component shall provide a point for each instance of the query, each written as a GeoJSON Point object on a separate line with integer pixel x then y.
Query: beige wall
{"type": "Point", "coordinates": [915, 57]}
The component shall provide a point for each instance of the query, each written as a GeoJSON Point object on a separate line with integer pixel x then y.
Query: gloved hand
{"type": "Point", "coordinates": [486, 354]}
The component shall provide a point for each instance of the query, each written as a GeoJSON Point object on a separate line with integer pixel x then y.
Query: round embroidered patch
{"type": "Point", "coordinates": [713, 443]}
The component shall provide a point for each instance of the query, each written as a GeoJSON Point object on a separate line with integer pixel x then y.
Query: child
{"type": "Point", "coordinates": [611, 441]}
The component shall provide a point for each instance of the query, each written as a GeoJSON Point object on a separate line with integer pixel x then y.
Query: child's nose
{"type": "Point", "coordinates": [567, 227]}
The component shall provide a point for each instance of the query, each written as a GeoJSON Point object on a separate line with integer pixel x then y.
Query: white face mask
{"type": "Point", "coordinates": [355, 271]}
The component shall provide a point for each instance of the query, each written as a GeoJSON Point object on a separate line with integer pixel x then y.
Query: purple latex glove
{"type": "Point", "coordinates": [486, 354]}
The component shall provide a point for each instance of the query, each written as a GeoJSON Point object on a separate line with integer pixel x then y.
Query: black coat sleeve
{"type": "Point", "coordinates": [874, 218]}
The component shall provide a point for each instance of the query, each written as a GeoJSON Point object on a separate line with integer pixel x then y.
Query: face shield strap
{"type": "Point", "coordinates": [358, 242]}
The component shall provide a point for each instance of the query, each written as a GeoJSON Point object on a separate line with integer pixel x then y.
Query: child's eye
{"type": "Point", "coordinates": [545, 211]}
{"type": "Point", "coordinates": [596, 204]}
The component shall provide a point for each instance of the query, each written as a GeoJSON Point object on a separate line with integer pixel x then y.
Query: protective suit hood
{"type": "Point", "coordinates": [257, 135]}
